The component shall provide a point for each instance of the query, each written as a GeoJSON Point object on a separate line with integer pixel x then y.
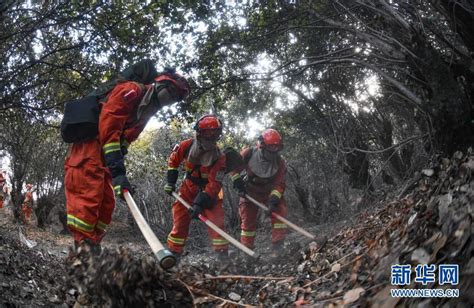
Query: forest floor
{"type": "Point", "coordinates": [431, 222]}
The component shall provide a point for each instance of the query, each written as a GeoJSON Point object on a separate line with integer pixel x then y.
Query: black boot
{"type": "Point", "coordinates": [178, 256]}
{"type": "Point", "coordinates": [277, 246]}
{"type": "Point", "coordinates": [94, 248]}
{"type": "Point", "coordinates": [222, 259]}
{"type": "Point", "coordinates": [277, 249]}
{"type": "Point", "coordinates": [222, 256]}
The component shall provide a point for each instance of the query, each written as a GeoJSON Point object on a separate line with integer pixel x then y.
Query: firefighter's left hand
{"type": "Point", "coordinates": [201, 202]}
{"type": "Point", "coordinates": [120, 182]}
{"type": "Point", "coordinates": [124, 146]}
{"type": "Point", "coordinates": [239, 185]}
{"type": "Point", "coordinates": [195, 211]}
{"type": "Point", "coordinates": [273, 203]}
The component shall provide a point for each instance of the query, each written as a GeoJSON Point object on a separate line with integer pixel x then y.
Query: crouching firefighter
{"type": "Point", "coordinates": [94, 168]}
{"type": "Point", "coordinates": [264, 180]}
{"type": "Point", "coordinates": [205, 167]}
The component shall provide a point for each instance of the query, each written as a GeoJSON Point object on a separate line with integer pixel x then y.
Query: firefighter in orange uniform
{"type": "Point", "coordinates": [95, 168]}
{"type": "Point", "coordinates": [205, 166]}
{"type": "Point", "coordinates": [264, 180]}
{"type": "Point", "coordinates": [27, 207]}
{"type": "Point", "coordinates": [3, 188]}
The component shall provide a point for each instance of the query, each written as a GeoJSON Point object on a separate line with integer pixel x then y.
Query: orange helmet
{"type": "Point", "coordinates": [209, 126]}
{"type": "Point", "coordinates": [180, 83]}
{"type": "Point", "coordinates": [270, 140]}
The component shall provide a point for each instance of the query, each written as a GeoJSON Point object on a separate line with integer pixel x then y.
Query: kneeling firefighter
{"type": "Point", "coordinates": [94, 168]}
{"type": "Point", "coordinates": [264, 180]}
{"type": "Point", "coordinates": [205, 167]}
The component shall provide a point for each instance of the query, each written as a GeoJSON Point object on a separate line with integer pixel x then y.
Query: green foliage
{"type": "Point", "coordinates": [303, 67]}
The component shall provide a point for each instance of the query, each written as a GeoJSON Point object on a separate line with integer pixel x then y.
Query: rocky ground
{"type": "Point", "coordinates": [430, 222]}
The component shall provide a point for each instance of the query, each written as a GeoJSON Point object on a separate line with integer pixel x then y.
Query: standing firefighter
{"type": "Point", "coordinates": [95, 167]}
{"type": "Point", "coordinates": [265, 173]}
{"type": "Point", "coordinates": [27, 207]}
{"type": "Point", "coordinates": [205, 167]}
{"type": "Point", "coordinates": [3, 188]}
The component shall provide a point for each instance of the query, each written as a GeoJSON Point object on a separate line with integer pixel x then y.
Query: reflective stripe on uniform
{"type": "Point", "coordinates": [248, 233]}
{"type": "Point", "coordinates": [204, 175]}
{"type": "Point", "coordinates": [279, 226]}
{"type": "Point", "coordinates": [101, 225]}
{"type": "Point", "coordinates": [276, 193]}
{"type": "Point", "coordinates": [176, 240]}
{"type": "Point", "coordinates": [79, 224]}
{"type": "Point", "coordinates": [172, 168]}
{"type": "Point", "coordinates": [235, 177]}
{"type": "Point", "coordinates": [219, 242]}
{"type": "Point", "coordinates": [111, 147]}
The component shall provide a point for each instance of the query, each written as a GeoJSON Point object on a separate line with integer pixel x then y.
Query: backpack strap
{"type": "Point", "coordinates": [186, 151]}
{"type": "Point", "coordinates": [249, 155]}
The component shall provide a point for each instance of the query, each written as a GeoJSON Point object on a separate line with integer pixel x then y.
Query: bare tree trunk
{"type": "Point", "coordinates": [17, 200]}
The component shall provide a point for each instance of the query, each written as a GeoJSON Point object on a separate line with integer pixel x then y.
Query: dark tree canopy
{"type": "Point", "coordinates": [365, 88]}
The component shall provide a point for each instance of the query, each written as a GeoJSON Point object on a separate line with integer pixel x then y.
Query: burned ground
{"type": "Point", "coordinates": [430, 223]}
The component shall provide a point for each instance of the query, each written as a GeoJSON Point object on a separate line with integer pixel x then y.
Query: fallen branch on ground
{"type": "Point", "coordinates": [248, 277]}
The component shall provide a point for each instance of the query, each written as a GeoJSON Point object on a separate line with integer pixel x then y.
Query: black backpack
{"type": "Point", "coordinates": [81, 116]}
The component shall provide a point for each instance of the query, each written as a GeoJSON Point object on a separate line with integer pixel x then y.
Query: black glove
{"type": "Point", "coordinates": [171, 177]}
{"type": "Point", "coordinates": [124, 146]}
{"type": "Point", "coordinates": [239, 185]}
{"type": "Point", "coordinates": [114, 161]}
{"type": "Point", "coordinates": [201, 202]}
{"type": "Point", "coordinates": [169, 188]}
{"type": "Point", "coordinates": [120, 182]}
{"type": "Point", "coordinates": [273, 203]}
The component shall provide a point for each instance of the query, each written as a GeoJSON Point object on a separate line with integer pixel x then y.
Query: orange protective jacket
{"type": "Point", "coordinates": [213, 174]}
{"type": "Point", "coordinates": [118, 120]}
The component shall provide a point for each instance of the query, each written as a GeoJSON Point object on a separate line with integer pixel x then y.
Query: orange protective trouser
{"type": "Point", "coordinates": [27, 210]}
{"type": "Point", "coordinates": [90, 199]}
{"type": "Point", "coordinates": [248, 225]}
{"type": "Point", "coordinates": [182, 219]}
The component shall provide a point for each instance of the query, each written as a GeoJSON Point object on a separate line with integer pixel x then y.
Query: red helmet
{"type": "Point", "coordinates": [270, 139]}
{"type": "Point", "coordinates": [181, 84]}
{"type": "Point", "coordinates": [209, 126]}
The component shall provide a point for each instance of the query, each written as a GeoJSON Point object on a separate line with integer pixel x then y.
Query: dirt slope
{"type": "Point", "coordinates": [431, 223]}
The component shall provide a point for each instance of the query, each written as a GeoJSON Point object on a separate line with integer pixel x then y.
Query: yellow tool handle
{"type": "Point", "coordinates": [281, 218]}
{"type": "Point", "coordinates": [221, 232]}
